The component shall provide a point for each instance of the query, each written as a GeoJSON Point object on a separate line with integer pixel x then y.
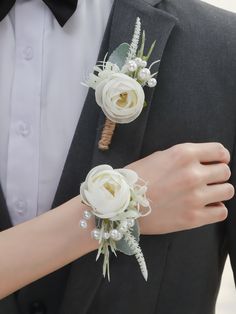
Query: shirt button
{"type": "Point", "coordinates": [28, 53]}
{"type": "Point", "coordinates": [20, 206]}
{"type": "Point", "coordinates": [23, 129]}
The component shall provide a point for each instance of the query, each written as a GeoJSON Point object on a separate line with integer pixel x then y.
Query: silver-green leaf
{"type": "Point", "coordinates": [119, 55]}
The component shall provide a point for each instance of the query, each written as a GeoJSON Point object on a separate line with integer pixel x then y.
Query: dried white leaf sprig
{"type": "Point", "coordinates": [117, 200]}
{"type": "Point", "coordinates": [135, 41]}
{"type": "Point", "coordinates": [134, 246]}
{"type": "Point", "coordinates": [119, 83]}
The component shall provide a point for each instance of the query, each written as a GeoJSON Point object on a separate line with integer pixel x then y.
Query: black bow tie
{"type": "Point", "coordinates": [62, 9]}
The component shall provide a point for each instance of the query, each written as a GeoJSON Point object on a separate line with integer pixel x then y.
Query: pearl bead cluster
{"type": "Point", "coordinates": [144, 74]}
{"type": "Point", "coordinates": [84, 222]}
{"type": "Point", "coordinates": [114, 234]}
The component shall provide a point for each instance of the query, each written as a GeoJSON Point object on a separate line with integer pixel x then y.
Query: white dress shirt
{"type": "Point", "coordinates": [41, 97]}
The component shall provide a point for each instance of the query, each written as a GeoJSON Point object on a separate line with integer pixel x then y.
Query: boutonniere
{"type": "Point", "coordinates": [119, 83]}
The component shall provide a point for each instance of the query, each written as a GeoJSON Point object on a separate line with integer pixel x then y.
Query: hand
{"type": "Point", "coordinates": [186, 187]}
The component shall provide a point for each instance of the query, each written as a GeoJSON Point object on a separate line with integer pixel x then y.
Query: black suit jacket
{"type": "Point", "coordinates": [194, 101]}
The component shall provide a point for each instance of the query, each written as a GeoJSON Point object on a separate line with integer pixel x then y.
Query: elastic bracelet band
{"type": "Point", "coordinates": [116, 200]}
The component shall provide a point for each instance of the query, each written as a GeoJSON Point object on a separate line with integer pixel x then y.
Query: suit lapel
{"type": "Point", "coordinates": [85, 275]}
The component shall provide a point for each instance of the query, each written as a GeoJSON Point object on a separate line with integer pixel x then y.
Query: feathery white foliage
{"type": "Point", "coordinates": [135, 41]}
{"type": "Point", "coordinates": [134, 246]}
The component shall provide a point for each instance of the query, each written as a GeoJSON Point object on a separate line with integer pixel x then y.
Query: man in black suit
{"type": "Point", "coordinates": [193, 102]}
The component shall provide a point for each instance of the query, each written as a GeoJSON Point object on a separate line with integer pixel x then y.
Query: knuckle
{"type": "Point", "coordinates": [197, 176]}
{"type": "Point", "coordinates": [226, 172]}
{"type": "Point", "coordinates": [220, 147]}
{"type": "Point", "coordinates": [192, 177]}
{"type": "Point", "coordinates": [183, 152]}
{"type": "Point", "coordinates": [177, 150]}
{"type": "Point", "coordinates": [223, 214]}
{"type": "Point", "coordinates": [194, 200]}
{"type": "Point", "coordinates": [230, 191]}
{"type": "Point", "coordinates": [223, 152]}
{"type": "Point", "coordinates": [228, 156]}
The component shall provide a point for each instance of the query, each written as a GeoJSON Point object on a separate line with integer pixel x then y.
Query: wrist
{"type": "Point", "coordinates": [78, 241]}
{"type": "Point", "coordinates": [85, 226]}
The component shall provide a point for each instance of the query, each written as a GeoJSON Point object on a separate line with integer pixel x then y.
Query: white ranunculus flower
{"type": "Point", "coordinates": [120, 97]}
{"type": "Point", "coordinates": [108, 191]}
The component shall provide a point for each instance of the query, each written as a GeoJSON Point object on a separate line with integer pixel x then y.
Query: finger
{"type": "Point", "coordinates": [218, 193]}
{"type": "Point", "coordinates": [211, 152]}
{"type": "Point", "coordinates": [212, 214]}
{"type": "Point", "coordinates": [216, 173]}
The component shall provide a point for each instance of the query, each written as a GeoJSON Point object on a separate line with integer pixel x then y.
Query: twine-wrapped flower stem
{"type": "Point", "coordinates": [109, 126]}
{"type": "Point", "coordinates": [107, 134]}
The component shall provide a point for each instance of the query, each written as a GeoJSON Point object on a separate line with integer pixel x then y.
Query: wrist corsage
{"type": "Point", "coordinates": [119, 82]}
{"type": "Point", "coordinates": [117, 200]}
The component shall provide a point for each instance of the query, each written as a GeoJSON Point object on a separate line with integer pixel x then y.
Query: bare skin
{"type": "Point", "coordinates": [187, 187]}
{"type": "Point", "coordinates": [42, 245]}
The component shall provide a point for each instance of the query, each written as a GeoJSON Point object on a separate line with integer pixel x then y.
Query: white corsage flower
{"type": "Point", "coordinates": [107, 191]}
{"type": "Point", "coordinates": [120, 97]}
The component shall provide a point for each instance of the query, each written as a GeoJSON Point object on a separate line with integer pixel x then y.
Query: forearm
{"type": "Point", "coordinates": [40, 246]}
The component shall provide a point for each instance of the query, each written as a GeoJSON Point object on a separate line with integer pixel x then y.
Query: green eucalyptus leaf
{"type": "Point", "coordinates": [122, 245]}
{"type": "Point", "coordinates": [119, 55]}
